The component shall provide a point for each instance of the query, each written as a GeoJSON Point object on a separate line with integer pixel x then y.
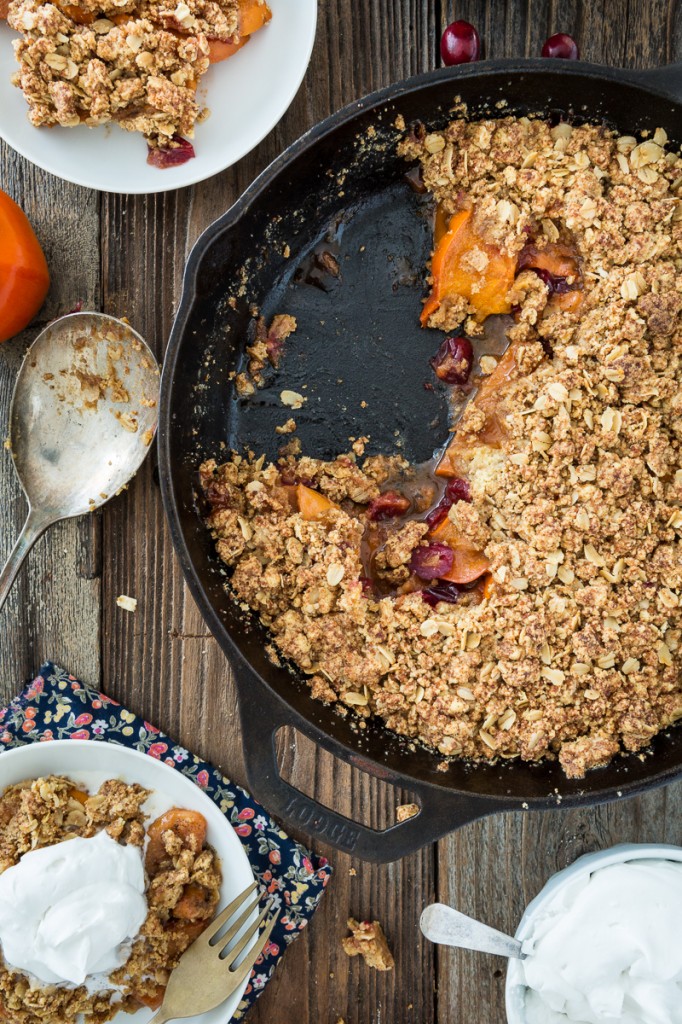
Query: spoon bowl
{"type": "Point", "coordinates": [83, 416]}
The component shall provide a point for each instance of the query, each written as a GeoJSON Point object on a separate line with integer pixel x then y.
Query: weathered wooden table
{"type": "Point", "coordinates": [126, 256]}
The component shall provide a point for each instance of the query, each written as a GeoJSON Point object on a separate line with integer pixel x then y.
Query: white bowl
{"type": "Point", "coordinates": [246, 94]}
{"type": "Point", "coordinates": [588, 864]}
{"type": "Point", "coordinates": [90, 762]}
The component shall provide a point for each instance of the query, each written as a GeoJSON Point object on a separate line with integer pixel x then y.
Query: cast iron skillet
{"type": "Point", "coordinates": [358, 341]}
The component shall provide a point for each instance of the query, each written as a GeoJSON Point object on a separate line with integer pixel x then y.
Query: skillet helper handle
{"type": "Point", "coordinates": [263, 714]}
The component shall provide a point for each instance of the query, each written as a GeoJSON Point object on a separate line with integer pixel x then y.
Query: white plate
{"type": "Point", "coordinates": [247, 95]}
{"type": "Point", "coordinates": [90, 762]}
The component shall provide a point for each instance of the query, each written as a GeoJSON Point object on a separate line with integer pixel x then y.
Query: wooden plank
{"type": "Point", "coordinates": [53, 611]}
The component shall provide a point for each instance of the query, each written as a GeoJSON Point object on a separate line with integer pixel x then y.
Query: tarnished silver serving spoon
{"type": "Point", "coordinates": [448, 927]}
{"type": "Point", "coordinates": [83, 415]}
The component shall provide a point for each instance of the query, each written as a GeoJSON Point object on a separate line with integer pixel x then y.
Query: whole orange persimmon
{"type": "Point", "coordinates": [24, 277]}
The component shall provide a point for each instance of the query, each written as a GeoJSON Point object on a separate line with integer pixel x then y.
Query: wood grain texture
{"type": "Point", "coordinates": [126, 255]}
{"type": "Point", "coordinates": [53, 610]}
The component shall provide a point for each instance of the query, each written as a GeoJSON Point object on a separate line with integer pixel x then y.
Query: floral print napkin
{"type": "Point", "coordinates": [57, 706]}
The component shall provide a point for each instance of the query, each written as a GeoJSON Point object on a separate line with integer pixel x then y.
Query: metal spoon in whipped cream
{"type": "Point", "coordinates": [440, 923]}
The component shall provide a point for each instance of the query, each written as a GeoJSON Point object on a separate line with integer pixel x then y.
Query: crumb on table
{"type": "Point", "coordinates": [367, 940]}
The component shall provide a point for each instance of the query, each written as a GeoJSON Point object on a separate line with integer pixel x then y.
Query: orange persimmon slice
{"type": "Point", "coordinates": [253, 14]}
{"type": "Point", "coordinates": [556, 258]}
{"type": "Point", "coordinates": [219, 49]}
{"type": "Point", "coordinates": [79, 795]}
{"type": "Point", "coordinates": [463, 264]}
{"type": "Point", "coordinates": [468, 563]}
{"type": "Point", "coordinates": [190, 826]}
{"type": "Point", "coordinates": [568, 302]}
{"type": "Point", "coordinates": [194, 904]}
{"type": "Point", "coordinates": [489, 400]}
{"type": "Point", "coordinates": [311, 504]}
{"type": "Point", "coordinates": [559, 260]}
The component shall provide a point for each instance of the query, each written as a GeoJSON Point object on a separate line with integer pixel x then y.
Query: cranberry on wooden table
{"type": "Point", "coordinates": [562, 46]}
{"type": "Point", "coordinates": [460, 44]}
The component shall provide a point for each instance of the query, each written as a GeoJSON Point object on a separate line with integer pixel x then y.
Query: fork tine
{"type": "Point", "coordinates": [221, 941]}
{"type": "Point", "coordinates": [248, 935]}
{"type": "Point", "coordinates": [225, 915]}
{"type": "Point", "coordinates": [240, 972]}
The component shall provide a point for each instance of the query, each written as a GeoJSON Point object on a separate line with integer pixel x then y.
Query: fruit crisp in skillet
{"type": "Point", "coordinates": [524, 602]}
{"type": "Point", "coordinates": [73, 833]}
{"type": "Point", "coordinates": [134, 62]}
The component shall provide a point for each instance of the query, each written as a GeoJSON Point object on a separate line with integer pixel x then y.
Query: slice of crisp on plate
{"type": "Point", "coordinates": [135, 63]}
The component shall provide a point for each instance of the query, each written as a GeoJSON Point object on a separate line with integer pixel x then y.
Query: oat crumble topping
{"type": "Point", "coordinates": [571, 649]}
{"type": "Point", "coordinates": [367, 940]}
{"type": "Point", "coordinates": [134, 62]}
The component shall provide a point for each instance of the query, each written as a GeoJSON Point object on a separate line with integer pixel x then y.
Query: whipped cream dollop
{"type": "Point", "coordinates": [607, 948]}
{"type": "Point", "coordinates": [67, 911]}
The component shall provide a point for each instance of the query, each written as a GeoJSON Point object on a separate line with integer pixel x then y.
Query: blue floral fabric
{"type": "Point", "coordinates": [57, 706]}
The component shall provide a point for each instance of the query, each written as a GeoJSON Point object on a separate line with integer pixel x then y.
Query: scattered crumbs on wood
{"type": "Point", "coordinates": [129, 604]}
{"type": "Point", "coordinates": [367, 940]}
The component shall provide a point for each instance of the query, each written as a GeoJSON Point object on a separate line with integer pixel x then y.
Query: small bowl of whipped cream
{"type": "Point", "coordinates": [602, 942]}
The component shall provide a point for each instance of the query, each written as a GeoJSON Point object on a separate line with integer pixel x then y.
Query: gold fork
{"type": "Point", "coordinates": [207, 972]}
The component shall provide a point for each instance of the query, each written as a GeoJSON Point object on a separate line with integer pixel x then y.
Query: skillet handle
{"type": "Point", "coordinates": [667, 79]}
{"type": "Point", "coordinates": [263, 714]}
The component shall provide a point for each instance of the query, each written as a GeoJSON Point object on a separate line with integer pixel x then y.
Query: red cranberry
{"type": "Point", "coordinates": [556, 285]}
{"type": "Point", "coordinates": [457, 490]}
{"type": "Point", "coordinates": [460, 43]}
{"type": "Point", "coordinates": [442, 591]}
{"type": "Point", "coordinates": [367, 586]}
{"type": "Point", "coordinates": [432, 561]}
{"type": "Point", "coordinates": [453, 361]}
{"type": "Point", "coordinates": [437, 514]}
{"type": "Point", "coordinates": [561, 45]}
{"type": "Point", "coordinates": [171, 157]}
{"type": "Point", "coordinates": [217, 498]}
{"type": "Point", "coordinates": [387, 506]}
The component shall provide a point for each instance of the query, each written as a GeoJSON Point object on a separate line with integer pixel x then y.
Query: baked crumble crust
{"type": "Point", "coordinates": [138, 74]}
{"type": "Point", "coordinates": [367, 940]}
{"type": "Point", "coordinates": [573, 651]}
{"type": "Point", "coordinates": [135, 63]}
{"type": "Point", "coordinates": [44, 811]}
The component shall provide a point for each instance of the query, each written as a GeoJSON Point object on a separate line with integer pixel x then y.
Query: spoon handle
{"type": "Point", "coordinates": [448, 927]}
{"type": "Point", "coordinates": [34, 526]}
